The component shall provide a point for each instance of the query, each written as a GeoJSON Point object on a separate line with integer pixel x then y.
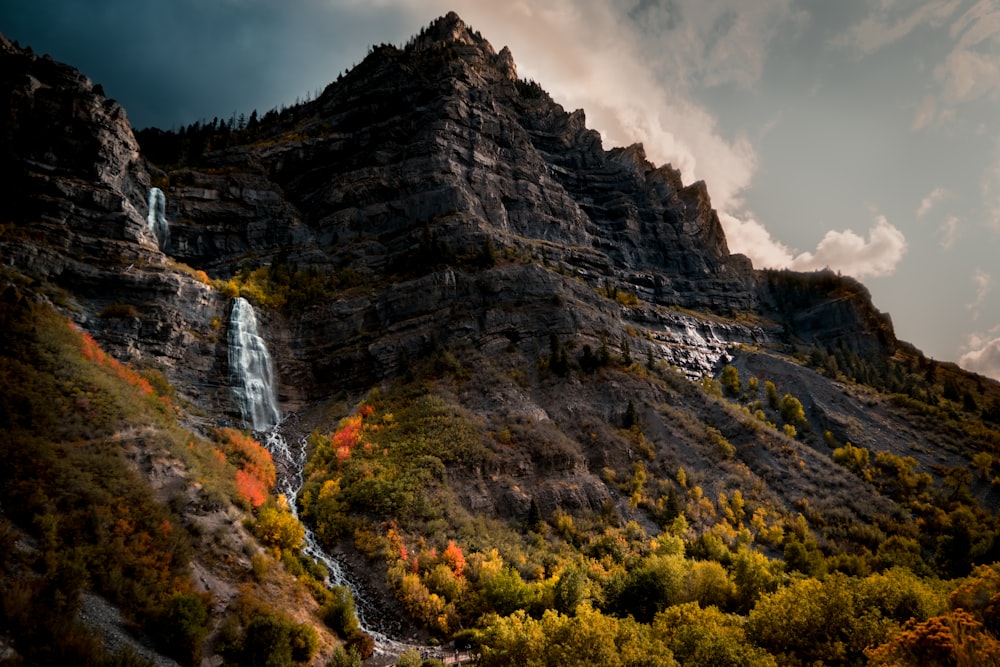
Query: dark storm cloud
{"type": "Point", "coordinates": [170, 63]}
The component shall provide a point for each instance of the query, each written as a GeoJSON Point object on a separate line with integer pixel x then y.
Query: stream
{"type": "Point", "coordinates": [290, 461]}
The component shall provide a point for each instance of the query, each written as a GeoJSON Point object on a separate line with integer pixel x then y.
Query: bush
{"type": "Point", "coordinates": [345, 658]}
{"type": "Point", "coordinates": [279, 529]}
{"type": "Point", "coordinates": [339, 614]}
{"type": "Point", "coordinates": [267, 643]}
{"type": "Point", "coordinates": [183, 627]}
{"type": "Point", "coordinates": [305, 642]}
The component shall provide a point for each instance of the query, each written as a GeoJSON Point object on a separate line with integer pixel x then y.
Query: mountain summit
{"type": "Point", "coordinates": [521, 386]}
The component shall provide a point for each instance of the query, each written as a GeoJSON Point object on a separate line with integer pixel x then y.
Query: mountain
{"type": "Point", "coordinates": [538, 395]}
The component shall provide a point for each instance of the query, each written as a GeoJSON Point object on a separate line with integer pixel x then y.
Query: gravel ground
{"type": "Point", "coordinates": [99, 615]}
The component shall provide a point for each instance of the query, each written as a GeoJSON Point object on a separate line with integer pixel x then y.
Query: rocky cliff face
{"type": "Point", "coordinates": [75, 217]}
{"type": "Point", "coordinates": [406, 169]}
{"type": "Point", "coordinates": [437, 200]}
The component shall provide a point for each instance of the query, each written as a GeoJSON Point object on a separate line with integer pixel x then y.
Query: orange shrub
{"type": "Point", "coordinates": [256, 474]}
{"type": "Point", "coordinates": [250, 488]}
{"type": "Point", "coordinates": [454, 558]}
{"type": "Point", "coordinates": [93, 352]}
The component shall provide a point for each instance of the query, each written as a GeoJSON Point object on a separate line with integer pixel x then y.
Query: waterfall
{"type": "Point", "coordinates": [251, 370]}
{"type": "Point", "coordinates": [157, 218]}
{"type": "Point", "coordinates": [252, 377]}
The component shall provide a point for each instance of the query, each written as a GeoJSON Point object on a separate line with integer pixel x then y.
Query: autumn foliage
{"type": "Point", "coordinates": [256, 474]}
{"type": "Point", "coordinates": [348, 435]}
{"type": "Point", "coordinates": [93, 352]}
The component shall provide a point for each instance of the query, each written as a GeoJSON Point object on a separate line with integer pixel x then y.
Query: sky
{"type": "Point", "coordinates": [859, 135]}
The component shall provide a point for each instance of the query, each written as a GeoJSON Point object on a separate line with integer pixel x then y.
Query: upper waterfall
{"type": "Point", "coordinates": [251, 369]}
{"type": "Point", "coordinates": [156, 218]}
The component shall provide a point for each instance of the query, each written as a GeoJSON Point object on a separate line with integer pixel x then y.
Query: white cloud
{"type": "Point", "coordinates": [967, 75]}
{"type": "Point", "coordinates": [984, 283]}
{"type": "Point", "coordinates": [748, 236]}
{"type": "Point", "coordinates": [983, 354]}
{"type": "Point", "coordinates": [969, 71]}
{"type": "Point", "coordinates": [850, 253]}
{"type": "Point", "coordinates": [949, 232]}
{"type": "Point", "coordinates": [843, 251]}
{"type": "Point", "coordinates": [931, 200]}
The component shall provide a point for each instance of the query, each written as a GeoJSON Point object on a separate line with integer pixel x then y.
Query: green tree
{"type": "Point", "coordinates": [655, 584]}
{"type": "Point", "coordinates": [818, 622]}
{"type": "Point", "coordinates": [570, 589]}
{"type": "Point", "coordinates": [706, 636]}
{"type": "Point", "coordinates": [753, 574]}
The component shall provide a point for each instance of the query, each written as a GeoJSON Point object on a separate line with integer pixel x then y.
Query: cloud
{"type": "Point", "coordinates": [747, 236]}
{"type": "Point", "coordinates": [850, 253]}
{"type": "Point", "coordinates": [983, 354]}
{"type": "Point", "coordinates": [967, 75]}
{"type": "Point", "coordinates": [969, 71]}
{"type": "Point", "coordinates": [891, 21]}
{"type": "Point", "coordinates": [843, 251]}
{"type": "Point", "coordinates": [931, 200]}
{"type": "Point", "coordinates": [984, 284]}
{"type": "Point", "coordinates": [949, 232]}
{"type": "Point", "coordinates": [990, 189]}
{"type": "Point", "coordinates": [926, 113]}
{"type": "Point", "coordinates": [632, 67]}
{"type": "Point", "coordinates": [715, 43]}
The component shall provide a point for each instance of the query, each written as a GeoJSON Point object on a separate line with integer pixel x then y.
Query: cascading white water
{"type": "Point", "coordinates": [252, 376]}
{"type": "Point", "coordinates": [250, 369]}
{"type": "Point", "coordinates": [156, 218]}
{"type": "Point", "coordinates": [290, 462]}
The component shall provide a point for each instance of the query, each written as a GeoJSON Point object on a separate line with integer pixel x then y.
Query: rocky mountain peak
{"type": "Point", "coordinates": [447, 30]}
{"type": "Point", "coordinates": [429, 173]}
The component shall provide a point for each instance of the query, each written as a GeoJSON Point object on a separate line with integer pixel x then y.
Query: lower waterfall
{"type": "Point", "coordinates": [251, 370]}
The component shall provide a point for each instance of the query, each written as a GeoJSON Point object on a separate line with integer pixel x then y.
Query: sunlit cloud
{"type": "Point", "coordinates": [984, 284]}
{"type": "Point", "coordinates": [850, 253]}
{"type": "Point", "coordinates": [982, 354]}
{"type": "Point", "coordinates": [844, 251]}
{"type": "Point", "coordinates": [749, 237]}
